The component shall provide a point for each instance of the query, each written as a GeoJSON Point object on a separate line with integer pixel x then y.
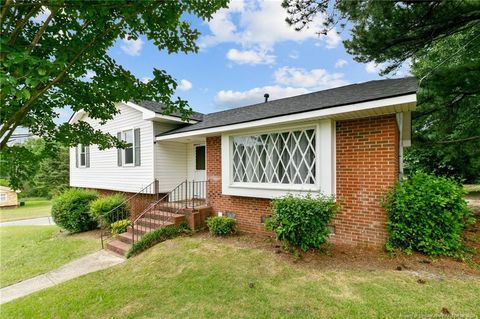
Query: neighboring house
{"type": "Point", "coordinates": [8, 197]}
{"type": "Point", "coordinates": [346, 141]}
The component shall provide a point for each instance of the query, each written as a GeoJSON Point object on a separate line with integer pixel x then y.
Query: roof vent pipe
{"type": "Point", "coordinates": [266, 96]}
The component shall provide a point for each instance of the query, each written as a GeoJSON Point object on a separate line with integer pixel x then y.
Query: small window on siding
{"type": "Point", "coordinates": [3, 197]}
{"type": "Point", "coordinates": [128, 152]}
{"type": "Point", "coordinates": [82, 155]}
{"type": "Point", "coordinates": [200, 158]}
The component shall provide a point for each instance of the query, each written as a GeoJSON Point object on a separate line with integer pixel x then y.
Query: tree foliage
{"type": "Point", "coordinates": [48, 47]}
{"type": "Point", "coordinates": [442, 40]}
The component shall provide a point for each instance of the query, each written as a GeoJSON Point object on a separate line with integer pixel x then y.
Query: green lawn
{"type": "Point", "coordinates": [32, 209]}
{"type": "Point", "coordinates": [200, 277]}
{"type": "Point", "coordinates": [27, 251]}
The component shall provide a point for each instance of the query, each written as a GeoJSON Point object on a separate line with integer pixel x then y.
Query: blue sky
{"type": "Point", "coordinates": [245, 51]}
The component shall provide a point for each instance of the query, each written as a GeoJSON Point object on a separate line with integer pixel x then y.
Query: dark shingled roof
{"type": "Point", "coordinates": [349, 94]}
{"type": "Point", "coordinates": [158, 108]}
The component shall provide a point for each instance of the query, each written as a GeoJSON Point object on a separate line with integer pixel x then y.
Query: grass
{"type": "Point", "coordinates": [32, 209]}
{"type": "Point", "coordinates": [202, 277]}
{"type": "Point", "coordinates": [27, 251]}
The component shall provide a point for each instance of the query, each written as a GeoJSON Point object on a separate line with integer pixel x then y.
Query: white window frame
{"type": "Point", "coordinates": [3, 197]}
{"type": "Point", "coordinates": [80, 155]}
{"type": "Point", "coordinates": [124, 157]}
{"type": "Point", "coordinates": [324, 165]}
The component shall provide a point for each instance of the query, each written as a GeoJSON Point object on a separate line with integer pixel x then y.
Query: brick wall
{"type": "Point", "coordinates": [248, 210]}
{"type": "Point", "coordinates": [367, 164]}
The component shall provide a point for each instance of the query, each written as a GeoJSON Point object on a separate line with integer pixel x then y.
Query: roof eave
{"type": "Point", "coordinates": [390, 105]}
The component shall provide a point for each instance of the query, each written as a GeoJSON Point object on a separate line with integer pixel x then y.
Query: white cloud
{"type": "Point", "coordinates": [288, 82]}
{"type": "Point", "coordinates": [229, 98]}
{"type": "Point", "coordinates": [332, 39]}
{"type": "Point", "coordinates": [132, 46]}
{"type": "Point", "coordinates": [250, 57]}
{"type": "Point", "coordinates": [318, 79]}
{"type": "Point", "coordinates": [184, 85]}
{"type": "Point", "coordinates": [372, 67]}
{"type": "Point", "coordinates": [340, 63]}
{"type": "Point", "coordinates": [260, 25]}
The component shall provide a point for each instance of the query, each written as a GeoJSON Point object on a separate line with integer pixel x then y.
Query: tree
{"type": "Point", "coordinates": [47, 49]}
{"type": "Point", "coordinates": [53, 174]}
{"type": "Point", "coordinates": [441, 39]}
{"type": "Point", "coordinates": [446, 123]}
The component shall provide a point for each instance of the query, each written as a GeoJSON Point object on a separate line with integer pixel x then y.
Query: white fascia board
{"type": "Point", "coordinates": [77, 116]}
{"type": "Point", "coordinates": [152, 116]}
{"type": "Point", "coordinates": [410, 99]}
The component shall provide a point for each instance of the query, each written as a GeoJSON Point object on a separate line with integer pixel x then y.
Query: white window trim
{"type": "Point", "coordinates": [80, 156]}
{"type": "Point", "coordinates": [133, 148]}
{"type": "Point", "coordinates": [324, 174]}
{"type": "Point", "coordinates": [3, 197]}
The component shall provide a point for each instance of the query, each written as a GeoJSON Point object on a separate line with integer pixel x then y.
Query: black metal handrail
{"type": "Point", "coordinates": [150, 189]}
{"type": "Point", "coordinates": [186, 195]}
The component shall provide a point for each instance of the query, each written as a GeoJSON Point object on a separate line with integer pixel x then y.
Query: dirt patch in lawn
{"type": "Point", "coordinates": [344, 257]}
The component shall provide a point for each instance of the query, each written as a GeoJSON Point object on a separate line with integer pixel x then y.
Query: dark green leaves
{"type": "Point", "coordinates": [427, 214]}
{"type": "Point", "coordinates": [302, 221]}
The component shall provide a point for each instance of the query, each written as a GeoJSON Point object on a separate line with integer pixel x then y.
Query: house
{"type": "Point", "coordinates": [347, 141]}
{"type": "Point", "coordinates": [8, 197]}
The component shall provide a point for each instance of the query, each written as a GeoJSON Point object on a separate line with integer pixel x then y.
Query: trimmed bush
{"type": "Point", "coordinates": [155, 237]}
{"type": "Point", "coordinates": [70, 210]}
{"type": "Point", "coordinates": [428, 214]}
{"type": "Point", "coordinates": [302, 221]}
{"type": "Point", "coordinates": [109, 209]}
{"type": "Point", "coordinates": [120, 226]}
{"type": "Point", "coordinates": [221, 225]}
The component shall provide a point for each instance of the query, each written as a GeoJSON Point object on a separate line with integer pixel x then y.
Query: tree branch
{"type": "Point", "coordinates": [41, 31]}
{"type": "Point", "coordinates": [22, 22]}
{"type": "Point", "coordinates": [467, 139]}
{"type": "Point", "coordinates": [4, 11]}
{"type": "Point", "coordinates": [14, 121]}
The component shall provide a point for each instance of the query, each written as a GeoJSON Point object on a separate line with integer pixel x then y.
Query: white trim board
{"type": "Point", "coordinates": [384, 106]}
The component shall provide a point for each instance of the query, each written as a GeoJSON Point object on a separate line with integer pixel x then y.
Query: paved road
{"type": "Point", "coordinates": [41, 221]}
{"type": "Point", "coordinates": [87, 264]}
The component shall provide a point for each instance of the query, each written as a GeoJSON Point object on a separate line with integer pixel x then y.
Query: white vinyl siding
{"type": "Point", "coordinates": [170, 160]}
{"type": "Point", "coordinates": [104, 172]}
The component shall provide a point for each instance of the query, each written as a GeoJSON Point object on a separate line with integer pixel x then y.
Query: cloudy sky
{"type": "Point", "coordinates": [246, 51]}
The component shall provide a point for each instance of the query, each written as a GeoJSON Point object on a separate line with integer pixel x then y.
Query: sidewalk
{"type": "Point", "coordinates": [87, 264]}
{"type": "Point", "coordinates": [40, 221]}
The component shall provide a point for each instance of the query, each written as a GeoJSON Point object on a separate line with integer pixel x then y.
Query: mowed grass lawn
{"type": "Point", "coordinates": [202, 277]}
{"type": "Point", "coordinates": [32, 209]}
{"type": "Point", "coordinates": [27, 251]}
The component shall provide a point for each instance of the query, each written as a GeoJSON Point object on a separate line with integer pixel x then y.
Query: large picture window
{"type": "Point", "coordinates": [275, 158]}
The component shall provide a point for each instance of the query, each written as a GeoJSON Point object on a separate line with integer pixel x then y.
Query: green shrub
{"type": "Point", "coordinates": [109, 209]}
{"type": "Point", "coordinates": [120, 227]}
{"type": "Point", "coordinates": [155, 237]}
{"type": "Point", "coordinates": [70, 210]}
{"type": "Point", "coordinates": [427, 214]}
{"type": "Point", "coordinates": [302, 221]}
{"type": "Point", "coordinates": [221, 225]}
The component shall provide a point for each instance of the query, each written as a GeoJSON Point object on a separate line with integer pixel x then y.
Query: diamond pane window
{"type": "Point", "coordinates": [275, 158]}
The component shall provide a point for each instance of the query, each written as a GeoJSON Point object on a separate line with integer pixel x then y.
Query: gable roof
{"type": "Point", "coordinates": [345, 95]}
{"type": "Point", "coordinates": [159, 108]}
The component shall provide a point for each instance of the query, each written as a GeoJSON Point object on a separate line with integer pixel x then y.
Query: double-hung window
{"type": "Point", "coordinates": [3, 197]}
{"type": "Point", "coordinates": [128, 153]}
{"type": "Point", "coordinates": [285, 157]}
{"type": "Point", "coordinates": [83, 156]}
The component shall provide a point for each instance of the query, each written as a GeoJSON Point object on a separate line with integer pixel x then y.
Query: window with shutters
{"type": "Point", "coordinates": [128, 152]}
{"type": "Point", "coordinates": [82, 155]}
